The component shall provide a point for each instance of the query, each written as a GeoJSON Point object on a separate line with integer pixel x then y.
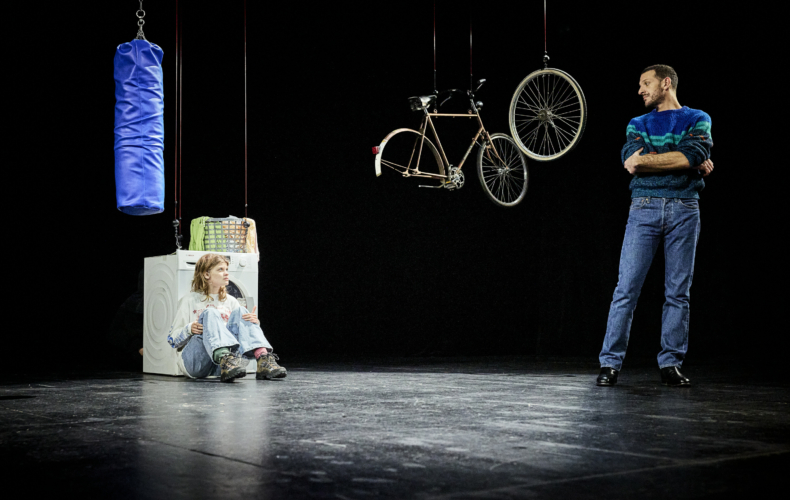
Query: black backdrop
{"type": "Point", "coordinates": [361, 265]}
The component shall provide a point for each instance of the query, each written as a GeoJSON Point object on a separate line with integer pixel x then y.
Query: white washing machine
{"type": "Point", "coordinates": [167, 279]}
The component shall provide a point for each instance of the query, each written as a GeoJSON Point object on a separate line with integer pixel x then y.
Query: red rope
{"type": "Point", "coordinates": [434, 47]}
{"type": "Point", "coordinates": [544, 27]}
{"type": "Point", "coordinates": [177, 169]}
{"type": "Point", "coordinates": [471, 78]}
{"type": "Point", "coordinates": [180, 122]}
{"type": "Point", "coordinates": [245, 108]}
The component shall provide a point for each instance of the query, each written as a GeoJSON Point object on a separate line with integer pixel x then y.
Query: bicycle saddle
{"type": "Point", "coordinates": [419, 103]}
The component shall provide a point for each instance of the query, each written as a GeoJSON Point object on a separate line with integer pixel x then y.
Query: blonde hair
{"type": "Point", "coordinates": [204, 265]}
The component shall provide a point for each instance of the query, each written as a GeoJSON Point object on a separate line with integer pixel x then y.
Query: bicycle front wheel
{"type": "Point", "coordinates": [401, 152]}
{"type": "Point", "coordinates": [548, 114]}
{"type": "Point", "coordinates": [502, 169]}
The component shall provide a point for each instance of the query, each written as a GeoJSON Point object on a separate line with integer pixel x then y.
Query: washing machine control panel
{"type": "Point", "coordinates": [238, 261]}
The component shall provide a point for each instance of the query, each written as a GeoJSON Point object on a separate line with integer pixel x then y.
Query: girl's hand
{"type": "Point", "coordinates": [251, 317]}
{"type": "Point", "coordinates": [197, 328]}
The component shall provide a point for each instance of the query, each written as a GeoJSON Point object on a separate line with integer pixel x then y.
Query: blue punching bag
{"type": "Point", "coordinates": [139, 129]}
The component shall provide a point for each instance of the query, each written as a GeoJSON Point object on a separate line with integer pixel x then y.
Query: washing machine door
{"type": "Point", "coordinates": [236, 289]}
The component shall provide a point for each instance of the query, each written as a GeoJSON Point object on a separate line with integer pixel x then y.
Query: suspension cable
{"type": "Point", "coordinates": [180, 120]}
{"type": "Point", "coordinates": [471, 78]}
{"type": "Point", "coordinates": [545, 49]}
{"type": "Point", "coordinates": [245, 108]}
{"type": "Point", "coordinates": [177, 167]}
{"type": "Point", "coordinates": [435, 88]}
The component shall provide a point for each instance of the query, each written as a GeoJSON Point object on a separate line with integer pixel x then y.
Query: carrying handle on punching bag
{"type": "Point", "coordinates": [140, 22]}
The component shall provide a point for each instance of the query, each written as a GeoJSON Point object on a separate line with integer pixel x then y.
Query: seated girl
{"type": "Point", "coordinates": [215, 334]}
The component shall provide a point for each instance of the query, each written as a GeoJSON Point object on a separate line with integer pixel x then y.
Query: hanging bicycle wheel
{"type": "Point", "coordinates": [400, 151]}
{"type": "Point", "coordinates": [548, 113]}
{"type": "Point", "coordinates": [502, 169]}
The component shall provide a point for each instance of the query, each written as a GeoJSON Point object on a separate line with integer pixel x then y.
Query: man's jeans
{"type": "Point", "coordinates": [651, 220]}
{"type": "Point", "coordinates": [239, 336]}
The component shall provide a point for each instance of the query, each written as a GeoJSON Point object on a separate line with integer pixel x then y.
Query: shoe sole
{"type": "Point", "coordinates": [233, 375]}
{"type": "Point", "coordinates": [676, 385]}
{"type": "Point", "coordinates": [608, 384]}
{"type": "Point", "coordinates": [276, 374]}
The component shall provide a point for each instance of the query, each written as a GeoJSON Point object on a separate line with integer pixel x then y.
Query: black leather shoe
{"type": "Point", "coordinates": [607, 377]}
{"type": "Point", "coordinates": [672, 377]}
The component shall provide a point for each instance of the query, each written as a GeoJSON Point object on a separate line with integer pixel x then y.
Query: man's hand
{"type": "Point", "coordinates": [251, 317]}
{"type": "Point", "coordinates": [631, 164]}
{"type": "Point", "coordinates": [705, 168]}
{"type": "Point", "coordinates": [197, 328]}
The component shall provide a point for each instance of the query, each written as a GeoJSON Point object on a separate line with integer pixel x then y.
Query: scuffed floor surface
{"type": "Point", "coordinates": [398, 428]}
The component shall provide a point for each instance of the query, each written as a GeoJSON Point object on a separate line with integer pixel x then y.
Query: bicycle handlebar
{"type": "Point", "coordinates": [467, 93]}
{"type": "Point", "coordinates": [450, 93]}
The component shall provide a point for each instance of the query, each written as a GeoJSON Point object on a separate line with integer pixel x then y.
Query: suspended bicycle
{"type": "Point", "coordinates": [501, 166]}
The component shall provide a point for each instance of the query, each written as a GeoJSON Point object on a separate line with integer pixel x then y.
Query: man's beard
{"type": "Point", "coordinates": [656, 101]}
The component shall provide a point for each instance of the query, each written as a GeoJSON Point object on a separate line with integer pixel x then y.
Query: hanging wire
{"type": "Point", "coordinates": [177, 169]}
{"type": "Point", "coordinates": [140, 22]}
{"type": "Point", "coordinates": [471, 78]}
{"type": "Point", "coordinates": [435, 88]}
{"type": "Point", "coordinates": [245, 110]}
{"type": "Point", "coordinates": [545, 49]}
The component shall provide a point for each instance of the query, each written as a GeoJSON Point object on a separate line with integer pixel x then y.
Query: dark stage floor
{"type": "Point", "coordinates": [398, 428]}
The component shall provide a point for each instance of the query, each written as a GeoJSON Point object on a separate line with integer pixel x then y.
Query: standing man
{"type": "Point", "coordinates": [668, 153]}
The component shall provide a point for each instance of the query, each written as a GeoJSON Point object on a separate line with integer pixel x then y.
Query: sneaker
{"type": "Point", "coordinates": [232, 367]}
{"type": "Point", "coordinates": [268, 367]}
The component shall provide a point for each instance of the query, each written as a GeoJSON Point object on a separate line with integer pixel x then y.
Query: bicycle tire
{"type": "Point", "coordinates": [548, 106]}
{"type": "Point", "coordinates": [399, 146]}
{"type": "Point", "coordinates": [502, 169]}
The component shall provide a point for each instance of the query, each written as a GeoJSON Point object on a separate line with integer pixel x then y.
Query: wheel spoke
{"type": "Point", "coordinates": [534, 100]}
{"type": "Point", "coordinates": [535, 93]}
{"type": "Point", "coordinates": [562, 98]}
{"type": "Point", "coordinates": [530, 105]}
{"type": "Point", "coordinates": [564, 136]}
{"type": "Point", "coordinates": [555, 92]}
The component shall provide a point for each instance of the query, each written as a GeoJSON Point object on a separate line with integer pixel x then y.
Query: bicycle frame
{"type": "Point", "coordinates": [418, 145]}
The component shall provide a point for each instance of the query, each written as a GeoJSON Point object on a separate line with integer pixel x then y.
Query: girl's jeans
{"type": "Point", "coordinates": [240, 336]}
{"type": "Point", "coordinates": [676, 221]}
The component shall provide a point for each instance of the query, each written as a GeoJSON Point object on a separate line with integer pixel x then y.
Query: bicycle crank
{"type": "Point", "coordinates": [456, 179]}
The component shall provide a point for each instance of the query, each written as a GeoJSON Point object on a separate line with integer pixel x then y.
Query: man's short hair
{"type": "Point", "coordinates": [664, 71]}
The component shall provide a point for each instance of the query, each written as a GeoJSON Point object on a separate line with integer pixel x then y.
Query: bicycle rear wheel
{"type": "Point", "coordinates": [502, 169]}
{"type": "Point", "coordinates": [548, 114]}
{"type": "Point", "coordinates": [400, 151]}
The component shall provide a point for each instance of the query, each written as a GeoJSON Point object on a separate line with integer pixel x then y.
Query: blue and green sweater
{"type": "Point", "coordinates": [685, 130]}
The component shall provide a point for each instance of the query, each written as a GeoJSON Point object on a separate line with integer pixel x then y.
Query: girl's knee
{"type": "Point", "coordinates": [237, 313]}
{"type": "Point", "coordinates": [210, 312]}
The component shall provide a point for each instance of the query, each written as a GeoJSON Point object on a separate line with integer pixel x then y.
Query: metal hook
{"type": "Point", "coordinates": [176, 224]}
{"type": "Point", "coordinates": [140, 15]}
